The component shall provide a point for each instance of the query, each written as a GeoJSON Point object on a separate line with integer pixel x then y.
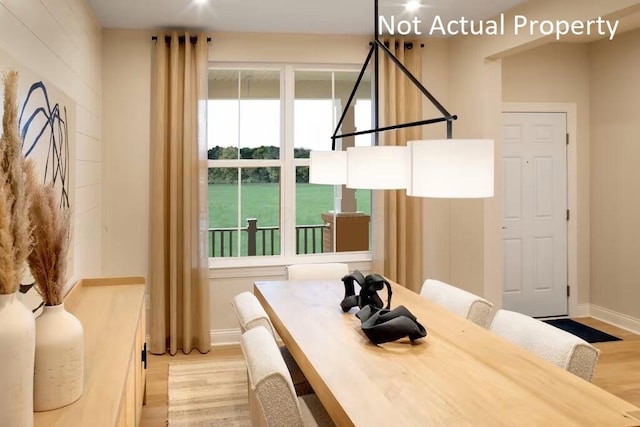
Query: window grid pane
{"type": "Point", "coordinates": [245, 123]}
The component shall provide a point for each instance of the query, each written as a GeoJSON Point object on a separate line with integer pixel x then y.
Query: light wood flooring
{"type": "Point", "coordinates": [618, 370]}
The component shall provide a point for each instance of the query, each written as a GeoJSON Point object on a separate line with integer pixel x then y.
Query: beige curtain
{"type": "Point", "coordinates": [401, 103]}
{"type": "Point", "coordinates": [179, 279]}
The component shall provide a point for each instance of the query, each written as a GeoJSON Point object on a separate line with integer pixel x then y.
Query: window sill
{"type": "Point", "coordinates": [274, 265]}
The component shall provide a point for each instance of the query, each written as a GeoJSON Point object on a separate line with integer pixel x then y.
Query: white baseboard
{"type": "Point", "coordinates": [225, 336]}
{"type": "Point", "coordinates": [218, 337]}
{"type": "Point", "coordinates": [582, 310]}
{"type": "Point", "coordinates": [617, 319]}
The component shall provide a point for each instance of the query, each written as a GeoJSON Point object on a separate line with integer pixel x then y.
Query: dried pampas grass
{"type": "Point", "coordinates": [14, 182]}
{"type": "Point", "coordinates": [7, 268]}
{"type": "Point", "coordinates": [51, 227]}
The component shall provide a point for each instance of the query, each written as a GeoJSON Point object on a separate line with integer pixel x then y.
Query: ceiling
{"type": "Point", "coordinates": [282, 16]}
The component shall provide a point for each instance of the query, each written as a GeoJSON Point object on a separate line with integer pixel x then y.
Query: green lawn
{"type": "Point", "coordinates": [262, 201]}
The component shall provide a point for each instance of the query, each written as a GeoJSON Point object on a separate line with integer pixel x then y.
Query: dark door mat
{"type": "Point", "coordinates": [585, 332]}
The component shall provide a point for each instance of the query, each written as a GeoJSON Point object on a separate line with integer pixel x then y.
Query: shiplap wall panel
{"type": "Point", "coordinates": [88, 148]}
{"type": "Point", "coordinates": [65, 16]}
{"type": "Point", "coordinates": [85, 17]}
{"type": "Point", "coordinates": [88, 254]}
{"type": "Point", "coordinates": [74, 67]}
{"type": "Point", "coordinates": [62, 41]}
{"type": "Point", "coordinates": [83, 226]}
{"type": "Point", "coordinates": [48, 30]}
{"type": "Point", "coordinates": [92, 99]}
{"type": "Point", "coordinates": [88, 123]}
{"type": "Point", "coordinates": [87, 198]}
{"type": "Point", "coordinates": [87, 174]}
{"type": "Point", "coordinates": [20, 43]}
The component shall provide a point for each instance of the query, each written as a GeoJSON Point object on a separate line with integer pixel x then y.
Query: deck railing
{"type": "Point", "coordinates": [223, 242]}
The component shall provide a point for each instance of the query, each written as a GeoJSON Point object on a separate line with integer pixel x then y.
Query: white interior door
{"type": "Point", "coordinates": [535, 213]}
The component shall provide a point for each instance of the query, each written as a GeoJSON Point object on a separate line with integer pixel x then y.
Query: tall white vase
{"type": "Point", "coordinates": [17, 349]}
{"type": "Point", "coordinates": [59, 366]}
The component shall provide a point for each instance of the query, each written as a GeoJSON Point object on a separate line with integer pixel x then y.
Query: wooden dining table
{"type": "Point", "coordinates": [459, 374]}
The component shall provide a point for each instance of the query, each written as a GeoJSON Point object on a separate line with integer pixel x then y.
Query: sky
{"type": "Point", "coordinates": [258, 123]}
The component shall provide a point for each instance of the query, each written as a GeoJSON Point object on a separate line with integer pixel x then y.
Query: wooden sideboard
{"type": "Point", "coordinates": [112, 313]}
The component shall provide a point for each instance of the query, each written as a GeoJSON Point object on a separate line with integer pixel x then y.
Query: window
{"type": "Point", "coordinates": [262, 124]}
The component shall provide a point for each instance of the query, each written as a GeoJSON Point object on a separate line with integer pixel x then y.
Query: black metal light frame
{"type": "Point", "coordinates": [376, 45]}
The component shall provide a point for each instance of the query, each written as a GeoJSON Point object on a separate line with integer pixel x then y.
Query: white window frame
{"type": "Point", "coordinates": [287, 164]}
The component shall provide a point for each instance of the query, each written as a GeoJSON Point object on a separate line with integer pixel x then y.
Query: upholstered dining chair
{"type": "Point", "coordinates": [250, 315]}
{"type": "Point", "coordinates": [457, 301]}
{"type": "Point", "coordinates": [272, 399]}
{"type": "Point", "coordinates": [320, 271]}
{"type": "Point", "coordinates": [555, 345]}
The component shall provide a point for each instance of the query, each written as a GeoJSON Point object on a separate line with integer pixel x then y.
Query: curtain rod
{"type": "Point", "coordinates": [167, 39]}
{"type": "Point", "coordinates": [407, 45]}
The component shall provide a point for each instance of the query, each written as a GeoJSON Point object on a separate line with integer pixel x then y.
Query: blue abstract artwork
{"type": "Point", "coordinates": [44, 127]}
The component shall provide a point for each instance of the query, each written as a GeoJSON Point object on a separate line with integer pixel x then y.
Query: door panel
{"type": "Point", "coordinates": [512, 189]}
{"type": "Point", "coordinates": [534, 223]}
{"type": "Point", "coordinates": [513, 265]}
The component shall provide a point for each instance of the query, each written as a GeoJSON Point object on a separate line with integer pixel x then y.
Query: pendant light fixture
{"type": "Point", "coordinates": [427, 168]}
{"type": "Point", "coordinates": [451, 168]}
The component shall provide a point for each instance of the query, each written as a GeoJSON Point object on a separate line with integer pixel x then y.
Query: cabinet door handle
{"type": "Point", "coordinates": [144, 356]}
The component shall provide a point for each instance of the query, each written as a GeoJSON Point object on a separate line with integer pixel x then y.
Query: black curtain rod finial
{"type": "Point", "coordinates": [167, 39]}
{"type": "Point", "coordinates": [407, 45]}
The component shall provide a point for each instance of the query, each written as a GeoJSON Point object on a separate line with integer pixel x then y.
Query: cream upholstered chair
{"type": "Point", "coordinates": [250, 314]}
{"type": "Point", "coordinates": [272, 399]}
{"type": "Point", "coordinates": [457, 301]}
{"type": "Point", "coordinates": [330, 271]}
{"type": "Point", "coordinates": [555, 345]}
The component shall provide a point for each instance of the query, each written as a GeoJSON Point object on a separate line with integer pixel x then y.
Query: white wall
{"type": "Point", "coordinates": [615, 150]}
{"type": "Point", "coordinates": [61, 41]}
{"type": "Point", "coordinates": [126, 73]}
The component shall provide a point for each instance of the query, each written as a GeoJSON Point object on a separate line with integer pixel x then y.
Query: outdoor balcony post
{"type": "Point", "coordinates": [252, 231]}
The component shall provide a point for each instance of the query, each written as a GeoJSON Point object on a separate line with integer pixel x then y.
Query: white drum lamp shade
{"type": "Point", "coordinates": [451, 168]}
{"type": "Point", "coordinates": [328, 167]}
{"type": "Point", "coordinates": [378, 167]}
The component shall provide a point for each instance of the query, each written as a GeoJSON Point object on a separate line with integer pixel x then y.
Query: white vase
{"type": "Point", "coordinates": [17, 349]}
{"type": "Point", "coordinates": [59, 366]}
